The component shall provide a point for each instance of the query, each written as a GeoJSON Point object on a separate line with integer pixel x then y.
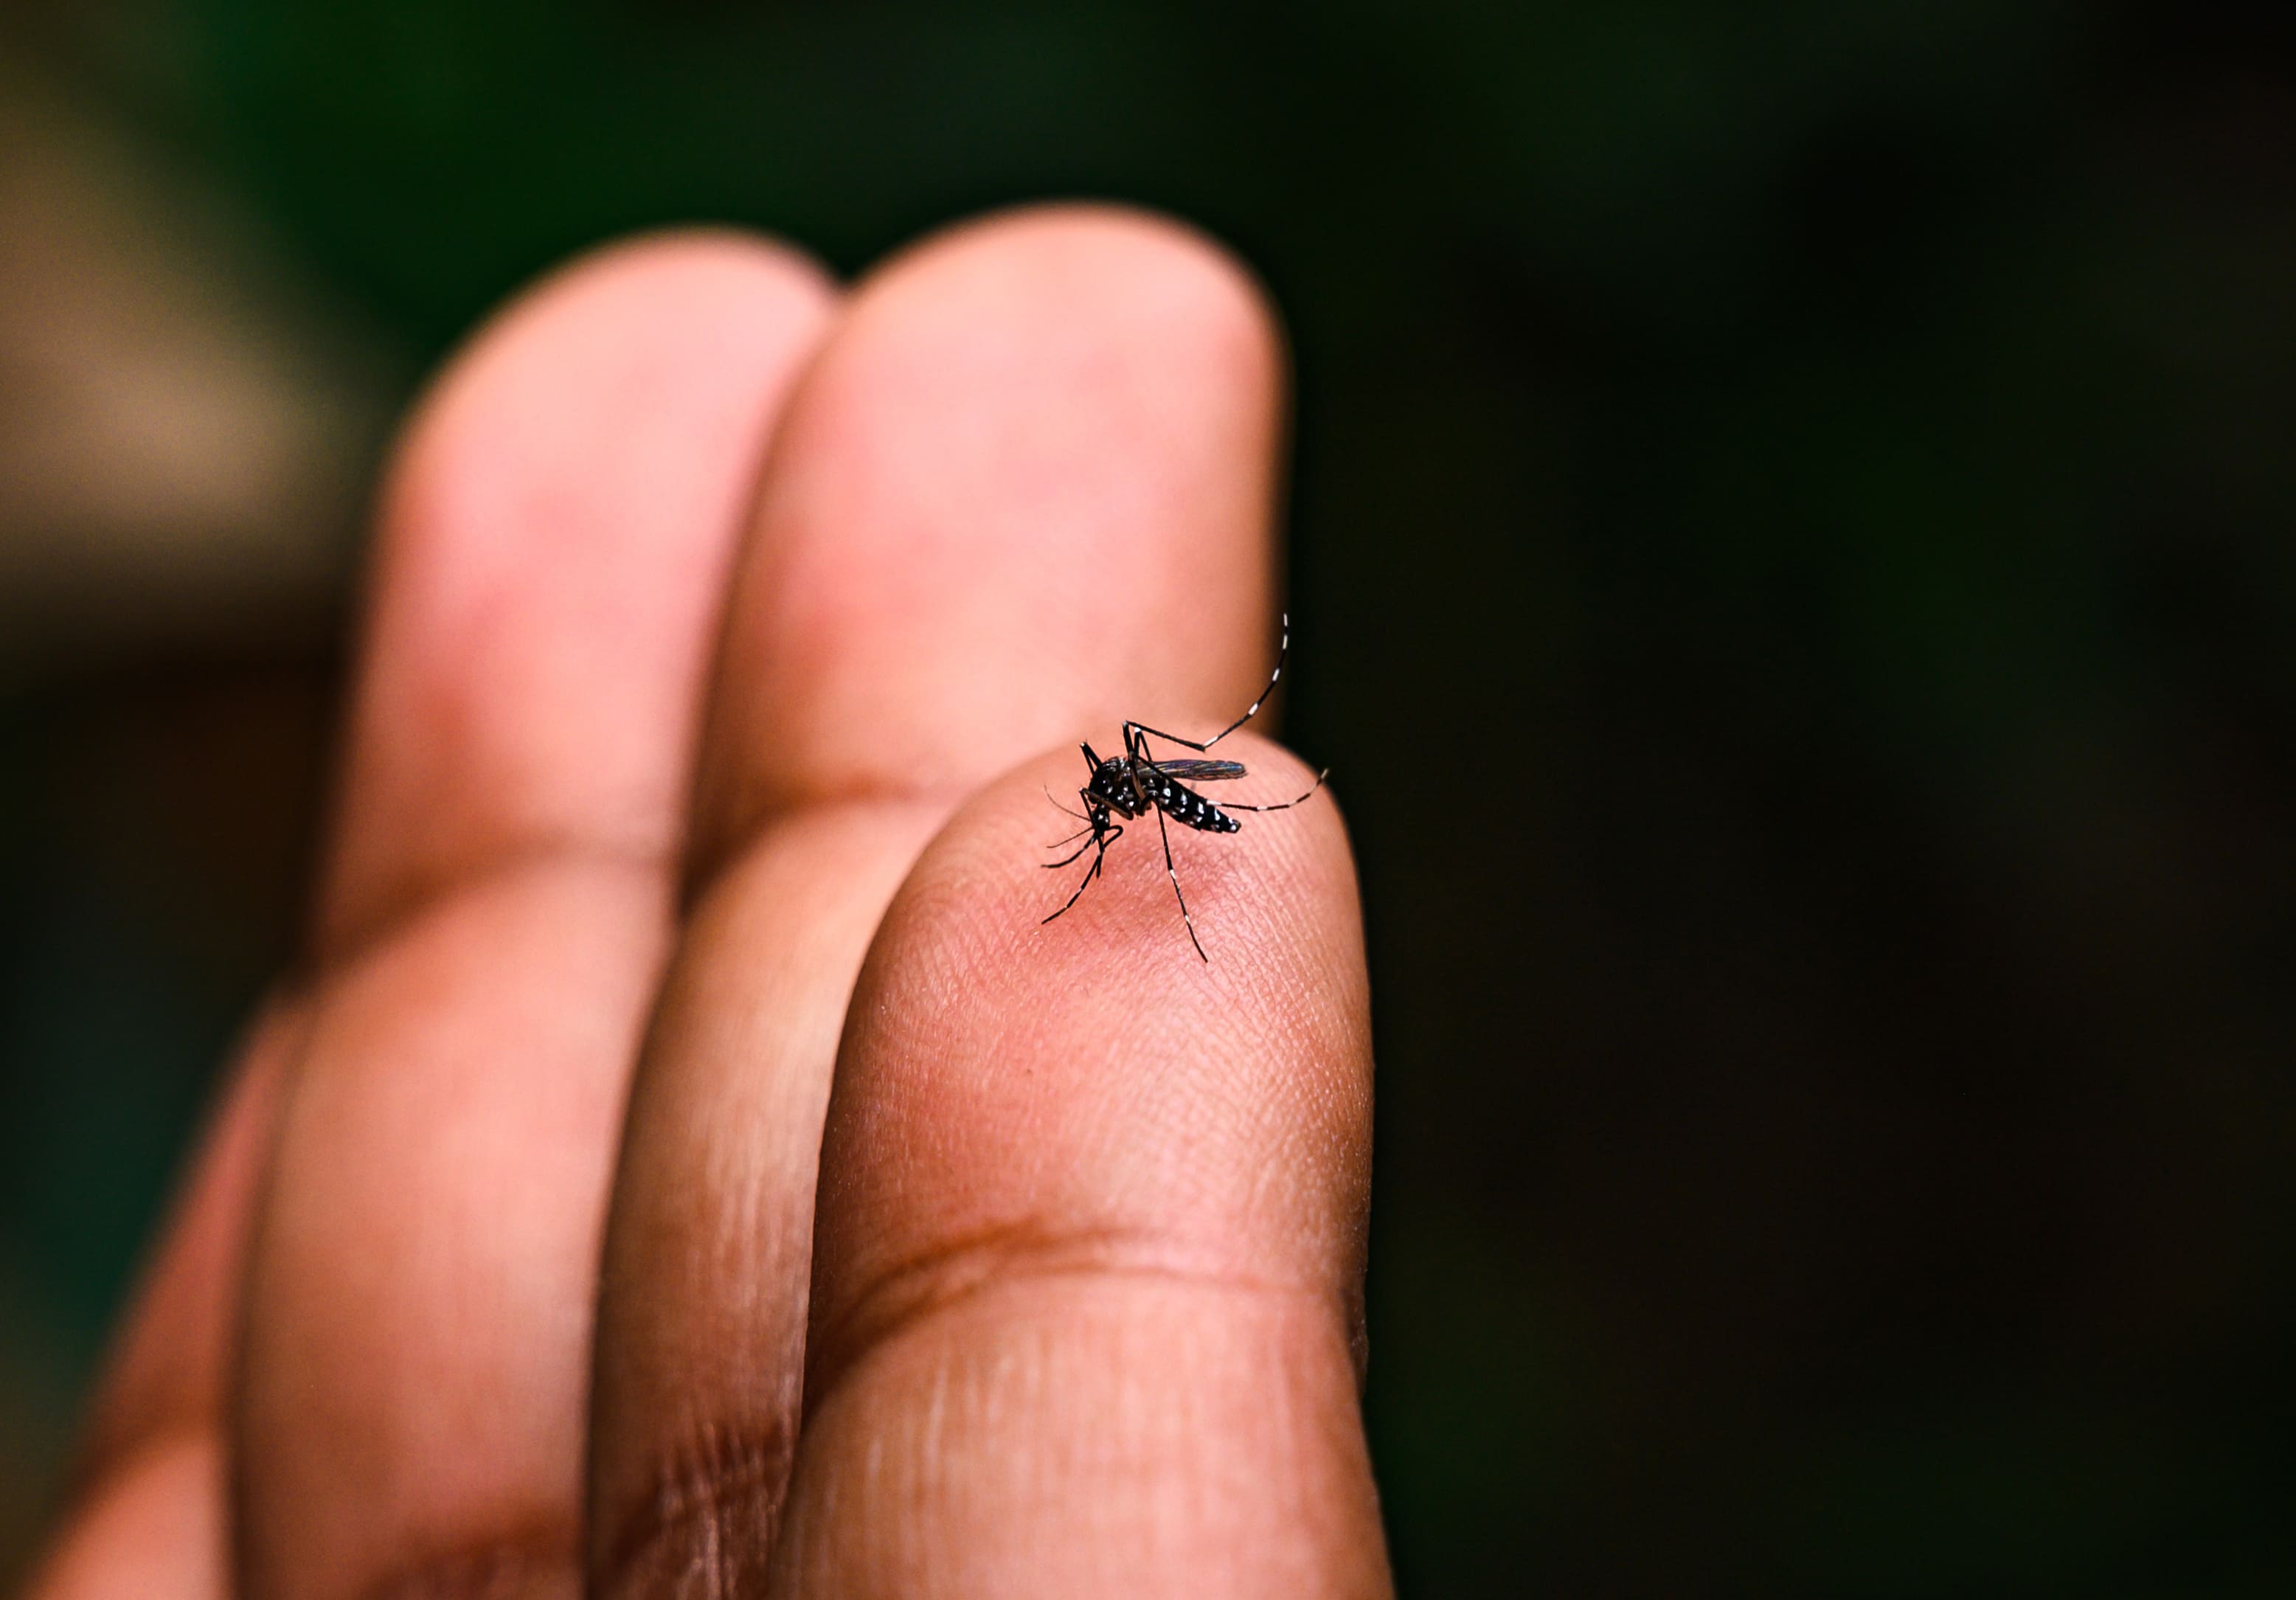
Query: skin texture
{"type": "Point", "coordinates": [686, 1165]}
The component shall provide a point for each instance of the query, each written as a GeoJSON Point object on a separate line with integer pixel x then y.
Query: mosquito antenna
{"type": "Point", "coordinates": [1071, 838]}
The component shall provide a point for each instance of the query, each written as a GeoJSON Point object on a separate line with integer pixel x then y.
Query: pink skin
{"type": "Point", "coordinates": [684, 1163]}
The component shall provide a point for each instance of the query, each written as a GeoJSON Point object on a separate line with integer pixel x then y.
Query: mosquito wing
{"type": "Point", "coordinates": [1201, 772]}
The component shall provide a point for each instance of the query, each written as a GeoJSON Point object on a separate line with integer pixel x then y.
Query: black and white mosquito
{"type": "Point", "coordinates": [1135, 782]}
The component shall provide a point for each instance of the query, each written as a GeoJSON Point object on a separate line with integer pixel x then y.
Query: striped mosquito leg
{"type": "Point", "coordinates": [1284, 805]}
{"type": "Point", "coordinates": [1091, 872]}
{"type": "Point", "coordinates": [1134, 730]}
{"type": "Point", "coordinates": [1175, 877]}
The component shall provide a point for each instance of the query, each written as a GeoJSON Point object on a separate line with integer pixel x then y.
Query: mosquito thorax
{"type": "Point", "coordinates": [1111, 786]}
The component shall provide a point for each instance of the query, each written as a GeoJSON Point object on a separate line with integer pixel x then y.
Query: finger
{"type": "Point", "coordinates": [1028, 488]}
{"type": "Point", "coordinates": [554, 542]}
{"type": "Point", "coordinates": [146, 1516]}
{"type": "Point", "coordinates": [1032, 469]}
{"type": "Point", "coordinates": [171, 1357]}
{"type": "Point", "coordinates": [550, 563]}
{"type": "Point", "coordinates": [152, 1527]}
{"type": "Point", "coordinates": [1087, 1307]}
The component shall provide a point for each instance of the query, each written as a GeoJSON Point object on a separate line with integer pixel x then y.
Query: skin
{"type": "Point", "coordinates": [685, 1165]}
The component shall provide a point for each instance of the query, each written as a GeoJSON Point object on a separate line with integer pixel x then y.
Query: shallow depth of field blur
{"type": "Point", "coordinates": [1793, 569]}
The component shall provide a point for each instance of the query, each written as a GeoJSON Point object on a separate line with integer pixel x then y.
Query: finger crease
{"type": "Point", "coordinates": [1011, 1255]}
{"type": "Point", "coordinates": [534, 858]}
{"type": "Point", "coordinates": [705, 1531]}
{"type": "Point", "coordinates": [533, 1560]}
{"type": "Point", "coordinates": [710, 862]}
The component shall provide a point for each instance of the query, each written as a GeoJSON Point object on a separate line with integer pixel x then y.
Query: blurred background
{"type": "Point", "coordinates": [1827, 467]}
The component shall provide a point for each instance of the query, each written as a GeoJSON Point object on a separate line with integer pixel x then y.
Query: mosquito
{"type": "Point", "coordinates": [1135, 782]}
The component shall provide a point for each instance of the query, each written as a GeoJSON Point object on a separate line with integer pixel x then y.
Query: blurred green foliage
{"type": "Point", "coordinates": [1791, 570]}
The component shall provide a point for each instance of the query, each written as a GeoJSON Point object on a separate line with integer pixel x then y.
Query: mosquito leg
{"type": "Point", "coordinates": [1064, 860]}
{"type": "Point", "coordinates": [1136, 730]}
{"type": "Point", "coordinates": [1283, 806]}
{"type": "Point", "coordinates": [1090, 872]}
{"type": "Point", "coordinates": [1139, 789]}
{"type": "Point", "coordinates": [1175, 877]}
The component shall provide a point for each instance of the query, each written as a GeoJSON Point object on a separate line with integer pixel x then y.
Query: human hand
{"type": "Point", "coordinates": [1055, 1289]}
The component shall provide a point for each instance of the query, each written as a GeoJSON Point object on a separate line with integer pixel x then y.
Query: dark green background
{"type": "Point", "coordinates": [1793, 571]}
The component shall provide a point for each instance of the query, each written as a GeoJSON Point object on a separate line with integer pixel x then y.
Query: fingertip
{"type": "Point", "coordinates": [1033, 467]}
{"type": "Point", "coordinates": [1274, 901]}
{"type": "Point", "coordinates": [1088, 1244]}
{"type": "Point", "coordinates": [1157, 269]}
{"type": "Point", "coordinates": [594, 341]}
{"type": "Point", "coordinates": [1092, 1078]}
{"type": "Point", "coordinates": [577, 474]}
